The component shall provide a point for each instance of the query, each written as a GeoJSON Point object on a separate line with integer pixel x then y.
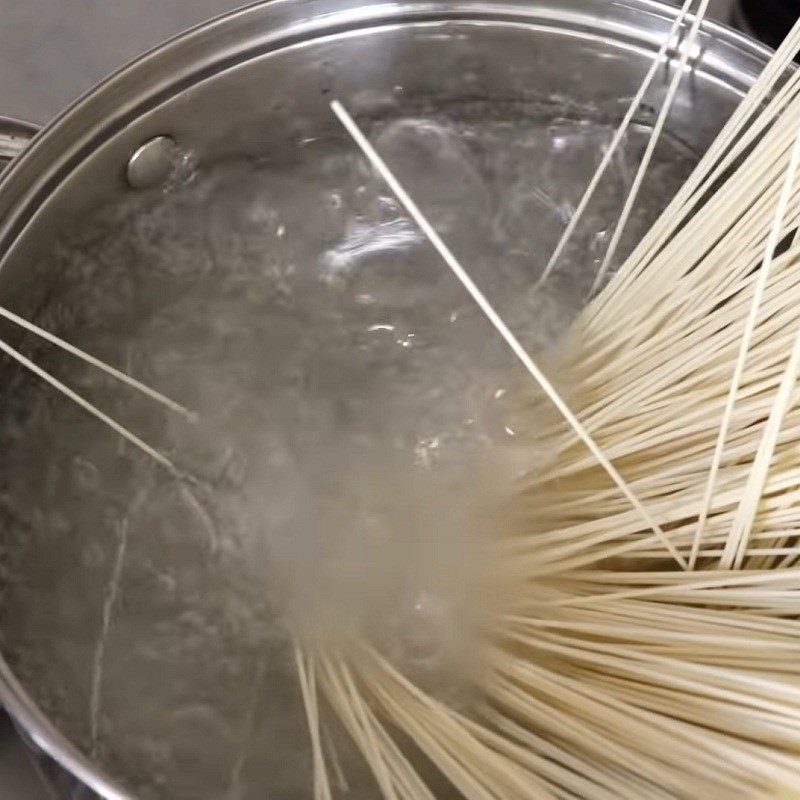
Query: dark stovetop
{"type": "Point", "coordinates": [18, 777]}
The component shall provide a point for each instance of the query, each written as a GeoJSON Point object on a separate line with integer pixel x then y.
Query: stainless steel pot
{"type": "Point", "coordinates": [249, 81]}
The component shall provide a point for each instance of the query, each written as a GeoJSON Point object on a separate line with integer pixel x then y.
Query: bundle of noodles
{"type": "Point", "coordinates": [644, 636]}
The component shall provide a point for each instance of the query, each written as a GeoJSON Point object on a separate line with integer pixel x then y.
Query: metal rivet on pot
{"type": "Point", "coordinates": [153, 163]}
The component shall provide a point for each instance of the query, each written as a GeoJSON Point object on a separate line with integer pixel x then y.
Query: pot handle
{"type": "Point", "coordinates": [15, 136]}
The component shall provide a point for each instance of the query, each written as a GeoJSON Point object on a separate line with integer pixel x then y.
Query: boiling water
{"type": "Point", "coordinates": [346, 388]}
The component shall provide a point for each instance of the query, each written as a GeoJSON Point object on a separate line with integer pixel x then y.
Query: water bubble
{"type": "Point", "coordinates": [425, 630]}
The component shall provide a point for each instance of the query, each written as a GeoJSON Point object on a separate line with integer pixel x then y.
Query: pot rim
{"type": "Point", "coordinates": [203, 50]}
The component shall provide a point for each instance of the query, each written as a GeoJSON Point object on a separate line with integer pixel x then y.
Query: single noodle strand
{"type": "Point", "coordinates": [411, 207]}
